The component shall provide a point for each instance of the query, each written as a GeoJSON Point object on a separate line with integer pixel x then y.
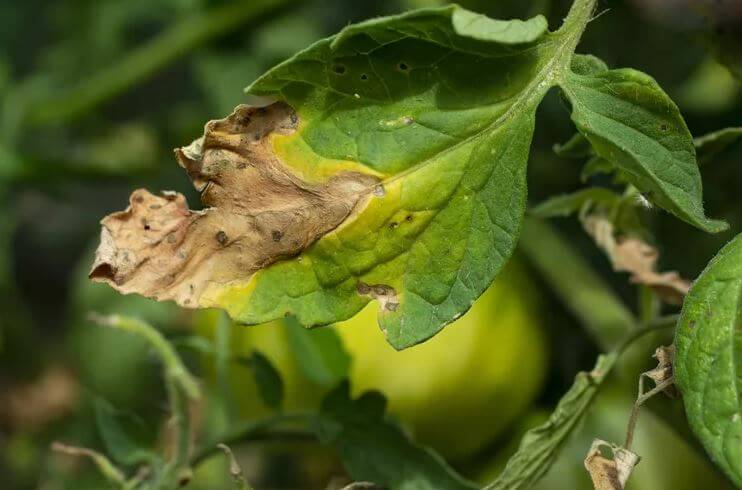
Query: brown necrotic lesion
{"type": "Point", "coordinates": [257, 210]}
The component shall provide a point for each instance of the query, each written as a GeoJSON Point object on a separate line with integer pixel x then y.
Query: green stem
{"type": "Point", "coordinates": [175, 371]}
{"type": "Point", "coordinates": [583, 292]}
{"type": "Point", "coordinates": [251, 430]}
{"type": "Point", "coordinates": [578, 16]}
{"type": "Point", "coordinates": [222, 360]}
{"type": "Point", "coordinates": [104, 465]}
{"type": "Point", "coordinates": [188, 33]}
{"type": "Point", "coordinates": [180, 420]}
{"type": "Point", "coordinates": [180, 386]}
{"type": "Point", "coordinates": [540, 446]}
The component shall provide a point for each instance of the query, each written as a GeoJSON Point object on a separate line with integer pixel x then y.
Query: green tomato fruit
{"type": "Point", "coordinates": [456, 392]}
{"type": "Point", "coordinates": [462, 388]}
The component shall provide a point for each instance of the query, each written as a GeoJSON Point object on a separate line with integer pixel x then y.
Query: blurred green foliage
{"type": "Point", "coordinates": [94, 94]}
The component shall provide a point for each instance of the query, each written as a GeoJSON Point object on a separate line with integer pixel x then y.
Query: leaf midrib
{"type": "Point", "coordinates": [531, 94]}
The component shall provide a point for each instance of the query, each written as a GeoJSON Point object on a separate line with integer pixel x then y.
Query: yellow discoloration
{"type": "Point", "coordinates": [258, 211]}
{"type": "Point", "coordinates": [311, 167]}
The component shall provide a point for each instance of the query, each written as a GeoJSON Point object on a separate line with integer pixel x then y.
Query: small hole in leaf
{"type": "Point", "coordinates": [393, 225]}
{"type": "Point", "coordinates": [402, 66]}
{"type": "Point", "coordinates": [409, 218]}
{"type": "Point", "coordinates": [364, 77]}
{"type": "Point", "coordinates": [339, 69]}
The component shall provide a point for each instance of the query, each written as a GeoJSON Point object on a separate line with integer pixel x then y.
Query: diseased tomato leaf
{"type": "Point", "coordinates": [390, 167]}
{"type": "Point", "coordinates": [708, 361]}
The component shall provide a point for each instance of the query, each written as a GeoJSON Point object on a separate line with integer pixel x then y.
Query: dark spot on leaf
{"type": "Point", "coordinates": [392, 306]}
{"type": "Point", "coordinates": [381, 290]}
{"type": "Point", "coordinates": [139, 199]}
{"type": "Point", "coordinates": [222, 238]}
{"type": "Point", "coordinates": [276, 235]}
{"type": "Point", "coordinates": [364, 77]}
{"type": "Point", "coordinates": [363, 288]}
{"type": "Point", "coordinates": [402, 66]}
{"type": "Point", "coordinates": [339, 69]}
{"type": "Point", "coordinates": [242, 166]}
{"type": "Point", "coordinates": [663, 127]}
{"type": "Point", "coordinates": [155, 206]}
{"type": "Point", "coordinates": [171, 238]}
{"type": "Point", "coordinates": [393, 225]}
{"type": "Point", "coordinates": [409, 218]}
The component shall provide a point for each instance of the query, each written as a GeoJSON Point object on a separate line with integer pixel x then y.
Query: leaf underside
{"type": "Point", "coordinates": [708, 362]}
{"type": "Point", "coordinates": [391, 168]}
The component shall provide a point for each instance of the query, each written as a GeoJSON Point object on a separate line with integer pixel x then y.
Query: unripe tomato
{"type": "Point", "coordinates": [456, 391]}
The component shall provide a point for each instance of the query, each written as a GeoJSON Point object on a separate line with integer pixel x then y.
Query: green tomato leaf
{"type": "Point", "coordinates": [595, 166]}
{"type": "Point", "coordinates": [568, 204]}
{"type": "Point", "coordinates": [587, 64]}
{"type": "Point", "coordinates": [708, 340]}
{"type": "Point", "coordinates": [389, 165]}
{"type": "Point", "coordinates": [375, 450]}
{"type": "Point", "coordinates": [391, 169]}
{"type": "Point", "coordinates": [633, 124]}
{"type": "Point", "coordinates": [481, 27]}
{"type": "Point", "coordinates": [712, 144]}
{"type": "Point", "coordinates": [540, 446]}
{"type": "Point", "coordinates": [576, 147]}
{"type": "Point", "coordinates": [319, 353]}
{"type": "Point", "coordinates": [267, 378]}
